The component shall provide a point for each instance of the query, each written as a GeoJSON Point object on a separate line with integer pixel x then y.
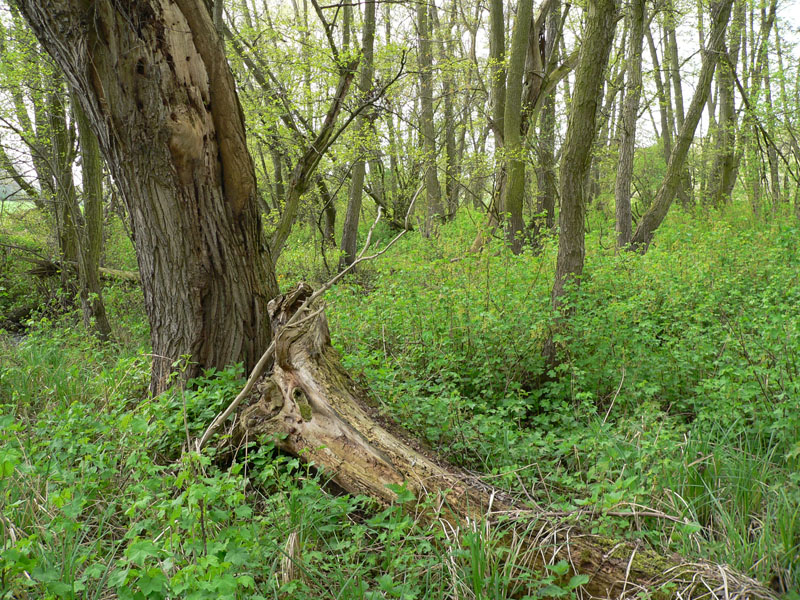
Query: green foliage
{"type": "Point", "coordinates": [649, 170]}
{"type": "Point", "coordinates": [672, 418]}
{"type": "Point", "coordinates": [698, 340]}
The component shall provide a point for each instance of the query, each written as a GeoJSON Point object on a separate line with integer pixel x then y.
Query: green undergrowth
{"type": "Point", "coordinates": [677, 390]}
{"type": "Point", "coordinates": [96, 497]}
{"type": "Point", "coordinates": [672, 417]}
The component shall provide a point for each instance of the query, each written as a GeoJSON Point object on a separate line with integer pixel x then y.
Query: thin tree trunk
{"type": "Point", "coordinates": [446, 69]}
{"type": "Point", "coordinates": [433, 193]}
{"type": "Point", "coordinates": [724, 167]}
{"type": "Point", "coordinates": [663, 103]}
{"type": "Point", "coordinates": [328, 213]}
{"type": "Point", "coordinates": [302, 174]}
{"type": "Point", "coordinates": [512, 120]}
{"type": "Point", "coordinates": [497, 73]}
{"type": "Point", "coordinates": [685, 186]}
{"type": "Point", "coordinates": [91, 244]}
{"type": "Point", "coordinates": [497, 52]}
{"type": "Point", "coordinates": [547, 183]}
{"type": "Point", "coordinates": [61, 158]}
{"type": "Point", "coordinates": [666, 193]}
{"type": "Point", "coordinates": [630, 111]}
{"type": "Point", "coordinates": [350, 228]}
{"type": "Point", "coordinates": [782, 75]}
{"type": "Point", "coordinates": [772, 153]}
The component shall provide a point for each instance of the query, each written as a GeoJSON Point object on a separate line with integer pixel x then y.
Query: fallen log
{"type": "Point", "coordinates": [15, 319]}
{"type": "Point", "coordinates": [310, 407]}
{"type": "Point", "coordinates": [50, 268]}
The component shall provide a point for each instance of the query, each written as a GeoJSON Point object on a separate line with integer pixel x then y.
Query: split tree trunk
{"type": "Point", "coordinates": [311, 408]}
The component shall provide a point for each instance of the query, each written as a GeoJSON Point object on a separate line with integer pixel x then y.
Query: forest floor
{"type": "Point", "coordinates": [677, 398]}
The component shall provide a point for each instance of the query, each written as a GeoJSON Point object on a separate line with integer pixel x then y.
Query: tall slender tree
{"type": "Point", "coordinates": [433, 192]}
{"type": "Point", "coordinates": [630, 112]}
{"type": "Point", "coordinates": [91, 237]}
{"type": "Point", "coordinates": [598, 37]}
{"type": "Point", "coordinates": [350, 228]}
{"type": "Point", "coordinates": [666, 192]}
{"type": "Point", "coordinates": [512, 121]}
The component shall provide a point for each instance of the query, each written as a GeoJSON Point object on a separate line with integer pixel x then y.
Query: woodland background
{"type": "Point", "coordinates": [593, 305]}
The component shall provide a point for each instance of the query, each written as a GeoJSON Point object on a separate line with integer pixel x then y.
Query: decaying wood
{"type": "Point", "coordinates": [311, 408]}
{"type": "Point", "coordinates": [50, 268]}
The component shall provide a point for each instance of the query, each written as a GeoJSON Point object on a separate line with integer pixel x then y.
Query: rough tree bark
{"type": "Point", "coordinates": [311, 408]}
{"type": "Point", "coordinates": [153, 81]}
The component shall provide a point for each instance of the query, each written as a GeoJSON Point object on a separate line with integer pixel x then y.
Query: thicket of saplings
{"type": "Point", "coordinates": [677, 398]}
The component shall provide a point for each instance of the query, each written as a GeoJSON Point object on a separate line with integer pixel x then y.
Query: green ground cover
{"type": "Point", "coordinates": [678, 397]}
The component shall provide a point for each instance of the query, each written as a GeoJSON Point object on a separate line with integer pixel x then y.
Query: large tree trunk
{"type": "Point", "coordinates": [311, 408]}
{"type": "Point", "coordinates": [154, 83]}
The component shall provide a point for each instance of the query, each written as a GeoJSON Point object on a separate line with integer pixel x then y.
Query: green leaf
{"type": "Point", "coordinates": [577, 581]}
{"type": "Point", "coordinates": [140, 551]}
{"type": "Point", "coordinates": [560, 568]}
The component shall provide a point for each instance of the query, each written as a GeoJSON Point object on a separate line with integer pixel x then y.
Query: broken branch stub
{"type": "Point", "coordinates": [311, 408]}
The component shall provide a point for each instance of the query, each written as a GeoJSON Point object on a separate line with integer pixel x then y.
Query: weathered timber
{"type": "Point", "coordinates": [50, 268]}
{"type": "Point", "coordinates": [311, 408]}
